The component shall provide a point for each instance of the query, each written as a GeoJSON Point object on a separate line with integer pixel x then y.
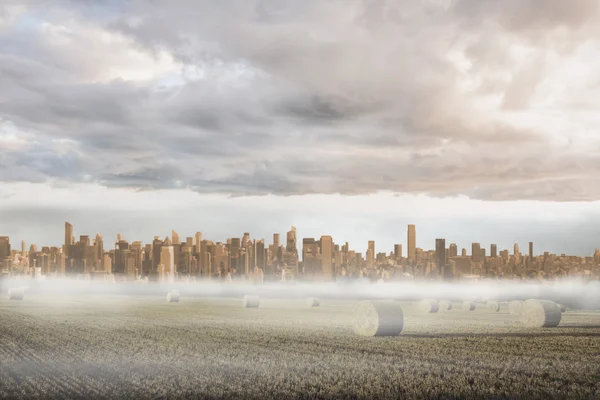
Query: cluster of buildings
{"type": "Point", "coordinates": [174, 258]}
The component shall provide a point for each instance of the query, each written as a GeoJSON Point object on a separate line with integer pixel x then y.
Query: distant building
{"type": "Point", "coordinates": [412, 244]}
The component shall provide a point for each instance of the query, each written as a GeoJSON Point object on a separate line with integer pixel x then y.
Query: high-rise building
{"type": "Point", "coordinates": [440, 254]}
{"type": "Point", "coordinates": [174, 241]}
{"type": "Point", "coordinates": [516, 250]}
{"type": "Point", "coordinates": [4, 248]}
{"type": "Point", "coordinates": [167, 258]}
{"type": "Point", "coordinates": [463, 252]}
{"type": "Point", "coordinates": [493, 250]}
{"type": "Point", "coordinates": [452, 250]}
{"type": "Point", "coordinates": [99, 243]}
{"type": "Point", "coordinates": [412, 243]}
{"type": "Point", "coordinates": [475, 252]}
{"type": "Point", "coordinates": [397, 251]}
{"type": "Point", "coordinates": [68, 239]}
{"type": "Point", "coordinates": [23, 248]}
{"type": "Point", "coordinates": [157, 244]}
{"type": "Point", "coordinates": [291, 240]}
{"type": "Point", "coordinates": [198, 240]}
{"type": "Point", "coordinates": [327, 257]}
{"type": "Point", "coordinates": [371, 254]}
{"type": "Point", "coordinates": [530, 251]}
{"type": "Point", "coordinates": [259, 254]}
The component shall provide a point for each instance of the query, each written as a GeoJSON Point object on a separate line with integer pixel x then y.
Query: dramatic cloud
{"type": "Point", "coordinates": [488, 99]}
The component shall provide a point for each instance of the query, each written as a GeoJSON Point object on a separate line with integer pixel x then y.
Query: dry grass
{"type": "Point", "coordinates": [143, 347]}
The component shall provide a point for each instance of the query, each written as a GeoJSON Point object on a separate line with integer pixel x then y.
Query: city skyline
{"type": "Point", "coordinates": [109, 111]}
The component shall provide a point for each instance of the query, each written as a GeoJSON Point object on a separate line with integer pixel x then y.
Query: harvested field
{"type": "Point", "coordinates": [144, 347]}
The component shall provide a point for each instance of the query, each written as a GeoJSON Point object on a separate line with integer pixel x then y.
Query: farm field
{"type": "Point", "coordinates": [143, 347]}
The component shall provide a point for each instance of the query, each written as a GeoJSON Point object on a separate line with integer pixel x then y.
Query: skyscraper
{"type": "Point", "coordinates": [197, 241]}
{"type": "Point", "coordinates": [530, 251]}
{"type": "Point", "coordinates": [493, 250]}
{"type": "Point", "coordinates": [68, 239]}
{"type": "Point", "coordinates": [440, 254]}
{"type": "Point", "coordinates": [452, 250]}
{"type": "Point", "coordinates": [167, 258]}
{"type": "Point", "coordinates": [412, 243]}
{"type": "Point", "coordinates": [475, 252]}
{"type": "Point", "coordinates": [4, 248]}
{"type": "Point", "coordinates": [397, 251]}
{"type": "Point", "coordinates": [174, 241]}
{"type": "Point", "coordinates": [371, 254]}
{"type": "Point", "coordinates": [326, 258]}
{"type": "Point", "coordinates": [291, 240]}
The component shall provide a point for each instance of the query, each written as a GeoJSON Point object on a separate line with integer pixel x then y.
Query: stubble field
{"type": "Point", "coordinates": [144, 347]}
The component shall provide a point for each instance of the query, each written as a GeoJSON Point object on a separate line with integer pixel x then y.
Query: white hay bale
{"type": "Point", "coordinates": [540, 313]}
{"type": "Point", "coordinates": [251, 301]}
{"type": "Point", "coordinates": [173, 296]}
{"type": "Point", "coordinates": [313, 302]}
{"type": "Point", "coordinates": [493, 305]}
{"type": "Point", "coordinates": [429, 306]}
{"type": "Point", "coordinates": [16, 293]}
{"type": "Point", "coordinates": [378, 318]}
{"type": "Point", "coordinates": [468, 306]}
{"type": "Point", "coordinates": [445, 305]}
{"type": "Point", "coordinates": [562, 307]}
{"type": "Point", "coordinates": [514, 307]}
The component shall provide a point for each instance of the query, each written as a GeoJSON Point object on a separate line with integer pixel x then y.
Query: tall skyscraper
{"type": "Point", "coordinates": [493, 250]}
{"type": "Point", "coordinates": [174, 241]}
{"type": "Point", "coordinates": [167, 258]}
{"type": "Point", "coordinates": [440, 254]}
{"type": "Point", "coordinates": [326, 258]}
{"type": "Point", "coordinates": [197, 241]}
{"type": "Point", "coordinates": [452, 250]}
{"type": "Point", "coordinates": [4, 248]}
{"type": "Point", "coordinates": [291, 240]}
{"type": "Point", "coordinates": [412, 243]}
{"type": "Point", "coordinates": [371, 254]}
{"type": "Point", "coordinates": [530, 251]}
{"type": "Point", "coordinates": [99, 243]}
{"type": "Point", "coordinates": [397, 251]}
{"type": "Point", "coordinates": [516, 249]}
{"type": "Point", "coordinates": [68, 239]}
{"type": "Point", "coordinates": [475, 252]}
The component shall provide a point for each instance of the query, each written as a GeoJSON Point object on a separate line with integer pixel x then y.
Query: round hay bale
{"type": "Point", "coordinates": [313, 302]}
{"type": "Point", "coordinates": [493, 305]}
{"type": "Point", "coordinates": [378, 318]}
{"type": "Point", "coordinates": [514, 307]}
{"type": "Point", "coordinates": [16, 293]}
{"type": "Point", "coordinates": [445, 305]}
{"type": "Point", "coordinates": [251, 301]}
{"type": "Point", "coordinates": [562, 307]}
{"type": "Point", "coordinates": [429, 306]}
{"type": "Point", "coordinates": [173, 296]}
{"type": "Point", "coordinates": [468, 306]}
{"type": "Point", "coordinates": [540, 313]}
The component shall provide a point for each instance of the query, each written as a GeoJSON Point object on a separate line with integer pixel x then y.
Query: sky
{"type": "Point", "coordinates": [476, 120]}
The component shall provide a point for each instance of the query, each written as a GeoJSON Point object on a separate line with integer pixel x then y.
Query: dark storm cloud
{"type": "Point", "coordinates": [291, 97]}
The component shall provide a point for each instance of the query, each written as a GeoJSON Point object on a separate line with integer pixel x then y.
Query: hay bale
{"type": "Point", "coordinates": [173, 296]}
{"type": "Point", "coordinates": [468, 306]}
{"type": "Point", "coordinates": [16, 293]}
{"type": "Point", "coordinates": [251, 301]}
{"type": "Point", "coordinates": [514, 307]}
{"type": "Point", "coordinates": [429, 306]}
{"type": "Point", "coordinates": [445, 305]}
{"type": "Point", "coordinates": [540, 313]}
{"type": "Point", "coordinates": [313, 302]}
{"type": "Point", "coordinates": [562, 307]}
{"type": "Point", "coordinates": [493, 305]}
{"type": "Point", "coordinates": [378, 318]}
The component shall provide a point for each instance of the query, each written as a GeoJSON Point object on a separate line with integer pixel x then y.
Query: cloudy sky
{"type": "Point", "coordinates": [477, 120]}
